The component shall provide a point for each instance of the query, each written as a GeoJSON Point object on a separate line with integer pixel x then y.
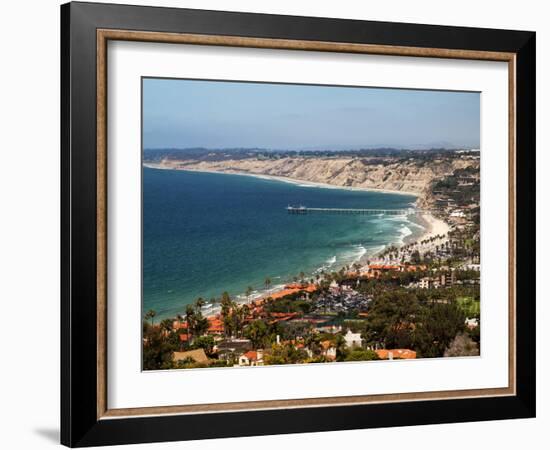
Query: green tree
{"type": "Point", "coordinates": [437, 326]}
{"type": "Point", "coordinates": [200, 324]}
{"type": "Point", "coordinates": [227, 312]}
{"type": "Point", "coordinates": [166, 325]}
{"type": "Point", "coordinates": [361, 354]}
{"type": "Point", "coordinates": [190, 320]}
{"type": "Point", "coordinates": [157, 350]}
{"type": "Point", "coordinates": [199, 303]}
{"type": "Point", "coordinates": [285, 354]}
{"type": "Point", "coordinates": [257, 331]}
{"type": "Point", "coordinates": [206, 343]}
{"type": "Point", "coordinates": [341, 348]}
{"type": "Point", "coordinates": [392, 319]}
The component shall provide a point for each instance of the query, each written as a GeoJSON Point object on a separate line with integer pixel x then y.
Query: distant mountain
{"type": "Point", "coordinates": [204, 154]}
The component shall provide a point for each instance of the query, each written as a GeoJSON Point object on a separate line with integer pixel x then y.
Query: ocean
{"type": "Point", "coordinates": [206, 233]}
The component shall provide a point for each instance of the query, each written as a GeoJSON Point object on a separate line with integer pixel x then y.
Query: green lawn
{"type": "Point", "coordinates": [469, 306]}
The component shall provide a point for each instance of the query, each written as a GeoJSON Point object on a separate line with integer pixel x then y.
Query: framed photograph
{"type": "Point", "coordinates": [276, 224]}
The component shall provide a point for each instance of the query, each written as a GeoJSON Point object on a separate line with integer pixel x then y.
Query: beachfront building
{"type": "Point", "coordinates": [353, 339]}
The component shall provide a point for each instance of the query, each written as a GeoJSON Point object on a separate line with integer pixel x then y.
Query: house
{"type": "Point", "coordinates": [353, 339]}
{"type": "Point", "coordinates": [328, 350]}
{"type": "Point", "coordinates": [252, 358]}
{"type": "Point", "coordinates": [281, 317]}
{"type": "Point", "coordinates": [197, 356]}
{"type": "Point", "coordinates": [472, 323]}
{"type": "Point", "coordinates": [215, 326]}
{"type": "Point", "coordinates": [399, 353]}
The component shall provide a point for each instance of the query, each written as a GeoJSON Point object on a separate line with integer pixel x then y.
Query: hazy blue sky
{"type": "Point", "coordinates": [213, 114]}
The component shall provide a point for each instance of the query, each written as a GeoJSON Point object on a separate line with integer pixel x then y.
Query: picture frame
{"type": "Point", "coordinates": [86, 29]}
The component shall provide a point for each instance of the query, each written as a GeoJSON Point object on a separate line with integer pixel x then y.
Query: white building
{"type": "Point", "coordinates": [424, 283]}
{"type": "Point", "coordinates": [353, 339]}
{"type": "Point", "coordinates": [458, 213]}
{"type": "Point", "coordinates": [252, 358]}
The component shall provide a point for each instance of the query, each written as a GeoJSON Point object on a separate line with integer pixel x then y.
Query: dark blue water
{"type": "Point", "coordinates": [206, 233]}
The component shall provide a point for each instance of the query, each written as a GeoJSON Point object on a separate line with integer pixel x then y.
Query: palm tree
{"type": "Point", "coordinates": [189, 318]}
{"type": "Point", "coordinates": [200, 303]}
{"type": "Point", "coordinates": [267, 283]}
{"type": "Point", "coordinates": [166, 326]}
{"type": "Point", "coordinates": [248, 293]}
{"type": "Point", "coordinates": [238, 319]}
{"type": "Point", "coordinates": [227, 312]}
{"type": "Point", "coordinates": [340, 347]}
{"type": "Point", "coordinates": [302, 276]}
{"type": "Point", "coordinates": [150, 315]}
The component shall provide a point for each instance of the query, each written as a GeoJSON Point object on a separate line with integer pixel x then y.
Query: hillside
{"type": "Point", "coordinates": [409, 175]}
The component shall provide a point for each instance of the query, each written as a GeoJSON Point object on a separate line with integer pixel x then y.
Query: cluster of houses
{"type": "Point", "coordinates": [246, 356]}
{"type": "Point", "coordinates": [342, 298]}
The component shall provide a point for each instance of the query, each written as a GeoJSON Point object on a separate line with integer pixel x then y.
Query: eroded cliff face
{"type": "Point", "coordinates": [412, 175]}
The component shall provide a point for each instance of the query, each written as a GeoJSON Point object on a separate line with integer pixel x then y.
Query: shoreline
{"type": "Point", "coordinates": [430, 226]}
{"type": "Point", "coordinates": [436, 227]}
{"type": "Point", "coordinates": [289, 180]}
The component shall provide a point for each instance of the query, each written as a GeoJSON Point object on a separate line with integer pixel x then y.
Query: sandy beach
{"type": "Point", "coordinates": [434, 227]}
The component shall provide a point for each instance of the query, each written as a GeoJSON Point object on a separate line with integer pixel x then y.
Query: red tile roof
{"type": "Point", "coordinates": [215, 325]}
{"type": "Point", "coordinates": [251, 355]}
{"type": "Point", "coordinates": [384, 267]}
{"type": "Point", "coordinates": [401, 353]}
{"type": "Point", "coordinates": [293, 289]}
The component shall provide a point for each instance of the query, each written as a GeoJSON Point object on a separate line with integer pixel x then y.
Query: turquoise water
{"type": "Point", "coordinates": [206, 233]}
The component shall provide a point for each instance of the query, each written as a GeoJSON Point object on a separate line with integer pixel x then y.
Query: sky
{"type": "Point", "coordinates": [221, 114]}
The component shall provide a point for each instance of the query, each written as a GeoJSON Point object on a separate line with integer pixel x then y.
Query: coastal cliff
{"type": "Point", "coordinates": [395, 174]}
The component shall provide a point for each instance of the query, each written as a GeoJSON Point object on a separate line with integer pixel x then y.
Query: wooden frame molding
{"type": "Point", "coordinates": [103, 36]}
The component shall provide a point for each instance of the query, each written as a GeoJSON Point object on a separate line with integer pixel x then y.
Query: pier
{"type": "Point", "coordinates": [363, 211]}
